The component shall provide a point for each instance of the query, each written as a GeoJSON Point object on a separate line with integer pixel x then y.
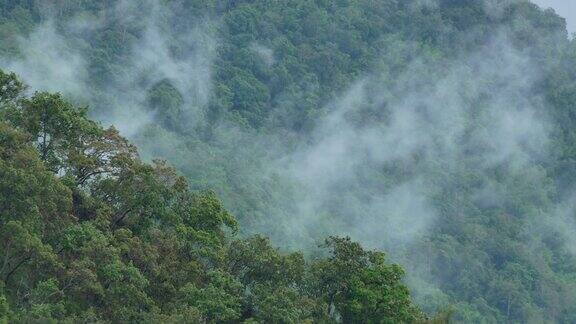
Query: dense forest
{"type": "Point", "coordinates": [271, 136]}
{"type": "Point", "coordinates": [90, 233]}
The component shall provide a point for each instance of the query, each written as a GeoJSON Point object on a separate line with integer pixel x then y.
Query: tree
{"type": "Point", "coordinates": [358, 286]}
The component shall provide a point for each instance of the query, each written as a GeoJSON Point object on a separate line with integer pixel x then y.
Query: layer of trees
{"type": "Point", "coordinates": [477, 256]}
{"type": "Point", "coordinates": [90, 233]}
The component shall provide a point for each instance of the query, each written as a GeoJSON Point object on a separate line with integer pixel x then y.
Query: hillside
{"type": "Point", "coordinates": [441, 132]}
{"type": "Point", "coordinates": [90, 233]}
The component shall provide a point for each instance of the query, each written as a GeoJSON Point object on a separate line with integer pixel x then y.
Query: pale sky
{"type": "Point", "coordinates": [564, 8]}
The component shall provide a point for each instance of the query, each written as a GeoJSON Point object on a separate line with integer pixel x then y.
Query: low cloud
{"type": "Point", "coordinates": [49, 62]}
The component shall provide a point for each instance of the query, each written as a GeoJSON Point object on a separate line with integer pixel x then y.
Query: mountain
{"type": "Point", "coordinates": [90, 233]}
{"type": "Point", "coordinates": [439, 131]}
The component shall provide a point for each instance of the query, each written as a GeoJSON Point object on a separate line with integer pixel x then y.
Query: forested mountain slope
{"type": "Point", "coordinates": [442, 132]}
{"type": "Point", "coordinates": [89, 233]}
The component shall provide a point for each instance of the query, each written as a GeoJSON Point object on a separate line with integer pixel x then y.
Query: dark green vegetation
{"type": "Point", "coordinates": [498, 247]}
{"type": "Point", "coordinates": [89, 233]}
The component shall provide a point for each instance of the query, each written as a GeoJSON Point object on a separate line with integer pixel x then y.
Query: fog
{"type": "Point", "coordinates": [437, 122]}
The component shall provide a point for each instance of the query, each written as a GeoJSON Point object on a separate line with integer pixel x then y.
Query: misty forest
{"type": "Point", "coordinates": [302, 161]}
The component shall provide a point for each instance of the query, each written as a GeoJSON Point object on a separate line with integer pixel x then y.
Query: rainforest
{"type": "Point", "coordinates": [302, 161]}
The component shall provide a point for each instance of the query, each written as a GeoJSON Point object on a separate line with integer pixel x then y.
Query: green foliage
{"type": "Point", "coordinates": [77, 203]}
{"type": "Point", "coordinates": [90, 233]}
{"type": "Point", "coordinates": [166, 101]}
{"type": "Point", "coordinates": [361, 286]}
{"type": "Point", "coordinates": [4, 307]}
{"type": "Point", "coordinates": [219, 301]}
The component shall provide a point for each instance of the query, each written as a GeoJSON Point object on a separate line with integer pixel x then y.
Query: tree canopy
{"type": "Point", "coordinates": [439, 131]}
{"type": "Point", "coordinates": [90, 233]}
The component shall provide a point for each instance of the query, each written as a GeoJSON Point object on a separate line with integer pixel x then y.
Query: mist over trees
{"type": "Point", "coordinates": [439, 131]}
{"type": "Point", "coordinates": [90, 233]}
